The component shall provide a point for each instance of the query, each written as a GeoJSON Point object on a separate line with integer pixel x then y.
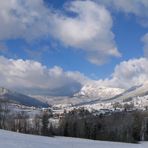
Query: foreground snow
{"type": "Point", "coordinates": [16, 140]}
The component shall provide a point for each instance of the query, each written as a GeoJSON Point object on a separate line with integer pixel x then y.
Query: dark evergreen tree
{"type": "Point", "coordinates": [45, 122]}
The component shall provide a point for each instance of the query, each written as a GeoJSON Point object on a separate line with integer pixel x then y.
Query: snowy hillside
{"type": "Point", "coordinates": [96, 91]}
{"type": "Point", "coordinates": [137, 95]}
{"type": "Point", "coordinates": [88, 93]}
{"type": "Point", "coordinates": [16, 140]}
{"type": "Point", "coordinates": [136, 91]}
{"type": "Point", "coordinates": [22, 99]}
{"type": "Point", "coordinates": [94, 96]}
{"type": "Point", "coordinates": [91, 96]}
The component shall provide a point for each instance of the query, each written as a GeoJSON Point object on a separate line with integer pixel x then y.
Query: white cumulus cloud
{"type": "Point", "coordinates": [89, 29]}
{"type": "Point", "coordinates": [128, 74]}
{"type": "Point", "coordinates": [31, 75]}
{"type": "Point", "coordinates": [137, 7]}
{"type": "Point", "coordinates": [23, 19]}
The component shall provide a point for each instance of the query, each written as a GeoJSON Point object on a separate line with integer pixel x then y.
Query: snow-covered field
{"type": "Point", "coordinates": [16, 140]}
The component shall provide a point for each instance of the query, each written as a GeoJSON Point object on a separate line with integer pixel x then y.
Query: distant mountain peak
{"type": "Point", "coordinates": [94, 90]}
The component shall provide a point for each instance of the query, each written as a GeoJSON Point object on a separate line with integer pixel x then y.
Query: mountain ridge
{"type": "Point", "coordinates": [98, 92]}
{"type": "Point", "coordinates": [19, 98]}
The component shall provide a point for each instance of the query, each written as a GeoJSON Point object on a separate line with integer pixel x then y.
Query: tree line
{"type": "Point", "coordinates": [125, 126]}
{"type": "Point", "coordinates": [118, 126]}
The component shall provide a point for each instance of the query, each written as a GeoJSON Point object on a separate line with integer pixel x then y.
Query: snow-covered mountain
{"type": "Point", "coordinates": [22, 99]}
{"type": "Point", "coordinates": [99, 92]}
{"type": "Point", "coordinates": [128, 95]}
{"type": "Point", "coordinates": [90, 95]}
{"type": "Point", "coordinates": [137, 96]}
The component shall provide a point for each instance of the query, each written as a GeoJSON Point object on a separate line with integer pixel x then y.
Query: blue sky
{"type": "Point", "coordinates": [128, 33]}
{"type": "Point", "coordinates": [45, 39]}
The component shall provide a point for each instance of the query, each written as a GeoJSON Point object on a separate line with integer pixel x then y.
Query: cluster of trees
{"type": "Point", "coordinates": [22, 122]}
{"type": "Point", "coordinates": [119, 126]}
{"type": "Point", "coordinates": [125, 106]}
